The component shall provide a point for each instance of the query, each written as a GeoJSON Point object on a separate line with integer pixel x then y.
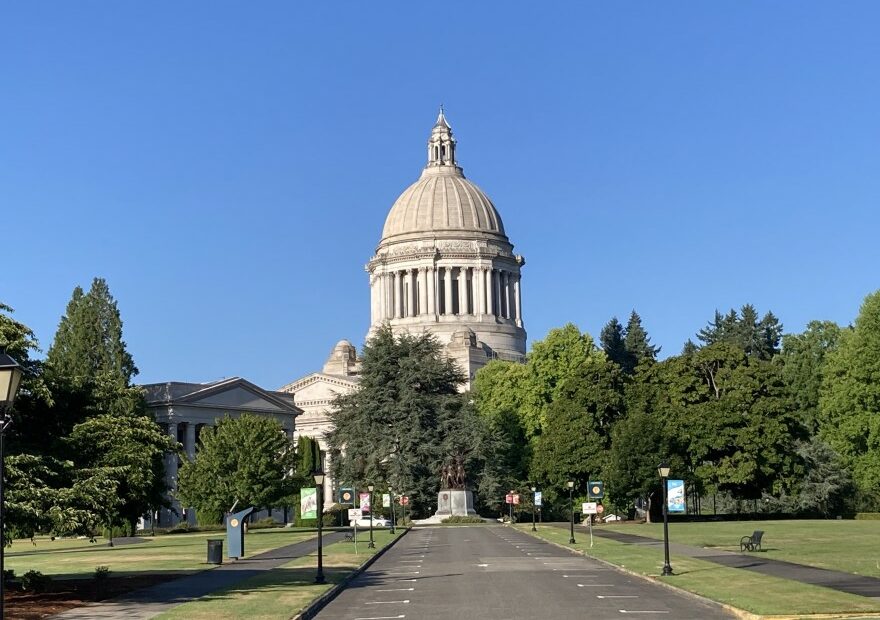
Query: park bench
{"type": "Point", "coordinates": [751, 543]}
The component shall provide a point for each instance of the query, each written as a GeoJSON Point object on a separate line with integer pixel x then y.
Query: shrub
{"type": "Point", "coordinates": [8, 575]}
{"type": "Point", "coordinates": [35, 581]}
{"type": "Point", "coordinates": [459, 519]}
{"type": "Point", "coordinates": [264, 523]}
{"type": "Point", "coordinates": [101, 573]}
{"type": "Point", "coordinates": [868, 516]}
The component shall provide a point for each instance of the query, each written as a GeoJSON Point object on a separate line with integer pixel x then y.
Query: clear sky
{"type": "Point", "coordinates": [228, 166]}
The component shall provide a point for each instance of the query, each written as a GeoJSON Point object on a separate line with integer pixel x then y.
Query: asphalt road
{"type": "Point", "coordinates": [489, 572]}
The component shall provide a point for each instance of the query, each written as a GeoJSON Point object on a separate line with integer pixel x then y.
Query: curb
{"type": "Point", "coordinates": [318, 604]}
{"type": "Point", "coordinates": [740, 613]}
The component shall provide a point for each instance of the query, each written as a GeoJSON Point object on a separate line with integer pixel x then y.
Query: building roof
{"type": "Point", "coordinates": [180, 392]}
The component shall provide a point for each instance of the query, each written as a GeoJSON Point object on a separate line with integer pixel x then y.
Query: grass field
{"type": "Point", "coordinates": [169, 553]}
{"type": "Point", "coordinates": [281, 592]}
{"type": "Point", "coordinates": [756, 593]}
{"type": "Point", "coordinates": [849, 546]}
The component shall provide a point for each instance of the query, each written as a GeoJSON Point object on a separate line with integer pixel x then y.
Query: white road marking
{"type": "Point", "coordinates": [615, 596]}
{"type": "Point", "coordinates": [640, 611]}
{"type": "Point", "coordinates": [595, 585]}
{"type": "Point", "coordinates": [410, 561]}
{"type": "Point", "coordinates": [382, 617]}
{"type": "Point", "coordinates": [397, 590]}
{"type": "Point", "coordinates": [412, 572]}
{"type": "Point", "coordinates": [482, 565]}
{"type": "Point", "coordinates": [386, 602]}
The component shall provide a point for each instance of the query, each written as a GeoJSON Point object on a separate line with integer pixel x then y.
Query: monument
{"type": "Point", "coordinates": [454, 500]}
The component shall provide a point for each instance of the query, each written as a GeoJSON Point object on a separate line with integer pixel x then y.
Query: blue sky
{"type": "Point", "coordinates": [228, 166]}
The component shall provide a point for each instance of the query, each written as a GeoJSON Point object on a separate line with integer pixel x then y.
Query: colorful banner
{"type": "Point", "coordinates": [675, 496]}
{"type": "Point", "coordinates": [386, 500]}
{"type": "Point", "coordinates": [538, 498]}
{"type": "Point", "coordinates": [308, 503]}
{"type": "Point", "coordinates": [364, 502]}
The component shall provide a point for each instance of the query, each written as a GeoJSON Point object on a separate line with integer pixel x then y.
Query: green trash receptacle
{"type": "Point", "coordinates": [215, 551]}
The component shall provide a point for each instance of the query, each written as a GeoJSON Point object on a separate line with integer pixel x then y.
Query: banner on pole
{"type": "Point", "coordinates": [308, 503]}
{"type": "Point", "coordinates": [516, 498]}
{"type": "Point", "coordinates": [596, 489]}
{"type": "Point", "coordinates": [538, 498]}
{"type": "Point", "coordinates": [675, 496]}
{"type": "Point", "coordinates": [386, 500]}
{"type": "Point", "coordinates": [346, 496]}
{"type": "Point", "coordinates": [364, 502]}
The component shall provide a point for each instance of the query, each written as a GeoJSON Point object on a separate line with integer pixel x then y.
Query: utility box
{"type": "Point", "coordinates": [215, 551]}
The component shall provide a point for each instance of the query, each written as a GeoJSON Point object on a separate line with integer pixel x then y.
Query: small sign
{"type": "Point", "coordinates": [308, 503]}
{"type": "Point", "coordinates": [508, 499]}
{"type": "Point", "coordinates": [516, 498]}
{"type": "Point", "coordinates": [675, 496]}
{"type": "Point", "coordinates": [538, 498]}
{"type": "Point", "coordinates": [403, 500]}
{"type": "Point", "coordinates": [596, 489]}
{"type": "Point", "coordinates": [364, 502]}
{"type": "Point", "coordinates": [386, 500]}
{"type": "Point", "coordinates": [590, 508]}
{"type": "Point", "coordinates": [354, 514]}
{"type": "Point", "coordinates": [346, 496]}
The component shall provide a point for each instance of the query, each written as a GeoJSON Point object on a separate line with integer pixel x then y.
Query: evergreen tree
{"type": "Point", "coordinates": [406, 420]}
{"type": "Point", "coordinates": [637, 344]}
{"type": "Point", "coordinates": [803, 359]}
{"type": "Point", "coordinates": [612, 341]}
{"type": "Point", "coordinates": [758, 338]}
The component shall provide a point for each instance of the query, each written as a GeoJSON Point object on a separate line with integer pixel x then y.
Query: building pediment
{"type": "Point", "coordinates": [234, 394]}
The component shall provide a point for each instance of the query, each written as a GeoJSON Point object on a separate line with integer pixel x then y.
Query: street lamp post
{"type": "Point", "coordinates": [570, 484]}
{"type": "Point", "coordinates": [534, 508]}
{"type": "Point", "coordinates": [372, 544]}
{"type": "Point", "coordinates": [663, 470]}
{"type": "Point", "coordinates": [391, 497]}
{"type": "Point", "coordinates": [10, 378]}
{"type": "Point", "coordinates": [319, 483]}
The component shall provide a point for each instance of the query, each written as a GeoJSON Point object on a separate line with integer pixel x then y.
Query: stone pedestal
{"type": "Point", "coordinates": [455, 503]}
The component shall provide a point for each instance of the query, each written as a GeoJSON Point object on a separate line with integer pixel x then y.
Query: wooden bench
{"type": "Point", "coordinates": [751, 543]}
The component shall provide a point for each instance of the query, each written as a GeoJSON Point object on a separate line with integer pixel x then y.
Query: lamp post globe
{"type": "Point", "coordinates": [570, 485]}
{"type": "Point", "coordinates": [663, 470]}
{"type": "Point", "coordinates": [10, 380]}
{"type": "Point", "coordinates": [319, 489]}
{"type": "Point", "coordinates": [371, 545]}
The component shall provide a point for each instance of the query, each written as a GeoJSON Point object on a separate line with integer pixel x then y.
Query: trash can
{"type": "Point", "coordinates": [215, 551]}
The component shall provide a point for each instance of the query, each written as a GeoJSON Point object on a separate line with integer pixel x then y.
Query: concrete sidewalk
{"type": "Point", "coordinates": [150, 602]}
{"type": "Point", "coordinates": [836, 580]}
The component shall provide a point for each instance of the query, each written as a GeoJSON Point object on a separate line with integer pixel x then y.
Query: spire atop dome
{"type": "Point", "coordinates": [441, 145]}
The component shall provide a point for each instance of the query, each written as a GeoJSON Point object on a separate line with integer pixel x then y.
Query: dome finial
{"type": "Point", "coordinates": [441, 144]}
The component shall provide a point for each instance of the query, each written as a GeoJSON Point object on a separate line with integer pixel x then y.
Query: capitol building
{"type": "Point", "coordinates": [443, 265]}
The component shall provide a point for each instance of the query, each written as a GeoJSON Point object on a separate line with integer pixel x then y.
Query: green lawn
{"type": "Point", "coordinates": [754, 592]}
{"type": "Point", "coordinates": [849, 546]}
{"type": "Point", "coordinates": [282, 592]}
{"type": "Point", "coordinates": [169, 553]}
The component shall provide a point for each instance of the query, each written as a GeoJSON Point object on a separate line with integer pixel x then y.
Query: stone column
{"type": "Point", "coordinates": [447, 290]}
{"type": "Point", "coordinates": [497, 277]}
{"type": "Point", "coordinates": [431, 307]}
{"type": "Point", "coordinates": [462, 291]}
{"type": "Point", "coordinates": [190, 440]}
{"type": "Point", "coordinates": [517, 299]}
{"type": "Point", "coordinates": [505, 292]}
{"type": "Point", "coordinates": [489, 290]}
{"type": "Point", "coordinates": [423, 290]}
{"type": "Point", "coordinates": [395, 295]}
{"type": "Point", "coordinates": [171, 476]}
{"type": "Point", "coordinates": [380, 306]}
{"type": "Point", "coordinates": [411, 277]}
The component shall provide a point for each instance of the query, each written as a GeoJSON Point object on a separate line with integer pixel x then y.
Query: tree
{"type": "Point", "coordinates": [758, 338]}
{"type": "Point", "coordinates": [245, 459]}
{"type": "Point", "coordinates": [406, 420]}
{"type": "Point", "coordinates": [134, 447]}
{"type": "Point", "coordinates": [637, 344]}
{"type": "Point", "coordinates": [576, 439]}
{"type": "Point", "coordinates": [850, 399]}
{"type": "Point", "coordinates": [308, 457]}
{"type": "Point", "coordinates": [612, 341]}
{"type": "Point", "coordinates": [803, 359]}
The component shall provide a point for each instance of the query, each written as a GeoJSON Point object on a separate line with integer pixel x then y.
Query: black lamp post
{"type": "Point", "coordinates": [319, 483]}
{"type": "Point", "coordinates": [391, 497]}
{"type": "Point", "coordinates": [570, 484]}
{"type": "Point", "coordinates": [534, 508]}
{"type": "Point", "coordinates": [663, 470]}
{"type": "Point", "coordinates": [10, 378]}
{"type": "Point", "coordinates": [372, 545]}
